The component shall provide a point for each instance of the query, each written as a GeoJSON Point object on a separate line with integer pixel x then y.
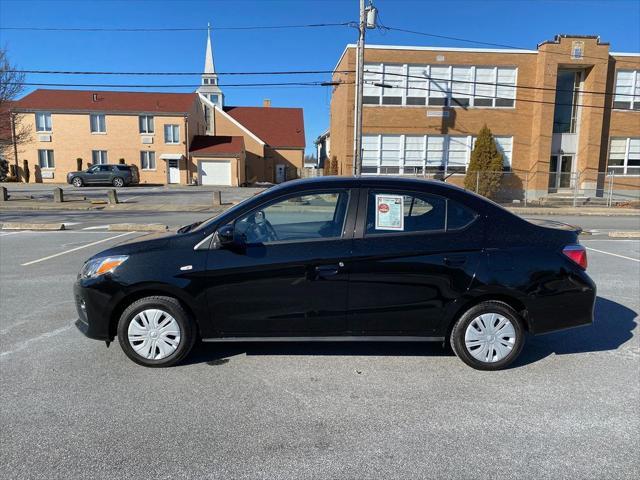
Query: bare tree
{"type": "Point", "coordinates": [13, 131]}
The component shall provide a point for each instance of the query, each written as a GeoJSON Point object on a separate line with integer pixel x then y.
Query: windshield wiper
{"type": "Point", "coordinates": [189, 227]}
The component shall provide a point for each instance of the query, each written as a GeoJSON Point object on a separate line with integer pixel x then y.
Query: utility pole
{"type": "Point", "coordinates": [367, 20]}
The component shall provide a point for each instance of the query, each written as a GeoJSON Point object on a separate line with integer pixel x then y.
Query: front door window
{"type": "Point", "coordinates": [313, 216]}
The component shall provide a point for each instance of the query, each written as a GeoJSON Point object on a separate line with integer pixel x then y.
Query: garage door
{"type": "Point", "coordinates": [215, 172]}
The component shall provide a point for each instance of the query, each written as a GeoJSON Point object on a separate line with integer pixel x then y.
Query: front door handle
{"type": "Point", "coordinates": [326, 271]}
{"type": "Point", "coordinates": [455, 260]}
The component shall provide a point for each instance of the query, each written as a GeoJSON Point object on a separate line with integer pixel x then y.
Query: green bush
{"type": "Point", "coordinates": [485, 167]}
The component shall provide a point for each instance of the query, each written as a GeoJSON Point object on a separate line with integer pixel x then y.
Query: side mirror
{"type": "Point", "coordinates": [224, 237]}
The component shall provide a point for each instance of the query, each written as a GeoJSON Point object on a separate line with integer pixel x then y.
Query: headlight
{"type": "Point", "coordinates": [100, 266]}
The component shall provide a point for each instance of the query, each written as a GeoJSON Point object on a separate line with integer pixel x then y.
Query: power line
{"type": "Point", "coordinates": [543, 102]}
{"type": "Point", "coordinates": [490, 44]}
{"type": "Point", "coordinates": [76, 72]}
{"type": "Point", "coordinates": [475, 82]}
{"type": "Point", "coordinates": [174, 29]}
{"type": "Point", "coordinates": [307, 72]}
{"type": "Point", "coordinates": [105, 85]}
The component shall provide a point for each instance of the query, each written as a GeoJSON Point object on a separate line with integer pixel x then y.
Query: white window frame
{"type": "Point", "coordinates": [148, 155]}
{"type": "Point", "coordinates": [376, 73]}
{"type": "Point", "coordinates": [100, 123]}
{"type": "Point", "coordinates": [99, 157]}
{"type": "Point", "coordinates": [144, 122]}
{"type": "Point", "coordinates": [625, 164]}
{"type": "Point", "coordinates": [49, 159]}
{"type": "Point", "coordinates": [46, 116]}
{"type": "Point", "coordinates": [443, 166]}
{"type": "Point", "coordinates": [174, 137]}
{"type": "Point", "coordinates": [634, 98]}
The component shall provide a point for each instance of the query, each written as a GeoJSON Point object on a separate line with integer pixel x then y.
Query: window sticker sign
{"type": "Point", "coordinates": [390, 212]}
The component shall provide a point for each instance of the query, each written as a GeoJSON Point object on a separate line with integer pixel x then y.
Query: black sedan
{"type": "Point", "coordinates": [342, 259]}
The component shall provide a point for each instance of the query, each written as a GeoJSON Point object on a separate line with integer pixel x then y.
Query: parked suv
{"type": "Point", "coordinates": [116, 175]}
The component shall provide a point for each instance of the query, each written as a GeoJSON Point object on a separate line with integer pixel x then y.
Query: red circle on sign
{"type": "Point", "coordinates": [383, 208]}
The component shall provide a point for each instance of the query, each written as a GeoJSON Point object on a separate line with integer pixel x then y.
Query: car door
{"type": "Point", "coordinates": [284, 274]}
{"type": "Point", "coordinates": [413, 254]}
{"type": "Point", "coordinates": [103, 174]}
{"type": "Point", "coordinates": [92, 175]}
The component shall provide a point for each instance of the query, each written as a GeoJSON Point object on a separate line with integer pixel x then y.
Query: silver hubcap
{"type": "Point", "coordinates": [117, 182]}
{"type": "Point", "coordinates": [490, 337]}
{"type": "Point", "coordinates": [154, 334]}
{"type": "Point", "coordinates": [77, 182]}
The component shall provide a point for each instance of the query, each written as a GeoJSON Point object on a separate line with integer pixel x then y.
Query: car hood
{"type": "Point", "coordinates": [144, 243]}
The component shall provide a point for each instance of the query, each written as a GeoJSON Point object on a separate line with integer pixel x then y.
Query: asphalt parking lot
{"type": "Point", "coordinates": [71, 408]}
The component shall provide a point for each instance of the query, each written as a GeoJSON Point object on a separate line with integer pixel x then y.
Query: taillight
{"type": "Point", "coordinates": [577, 253]}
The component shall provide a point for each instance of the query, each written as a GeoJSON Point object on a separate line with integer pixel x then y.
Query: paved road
{"type": "Point", "coordinates": [71, 408]}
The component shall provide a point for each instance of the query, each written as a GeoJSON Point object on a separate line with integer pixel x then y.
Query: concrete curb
{"type": "Point", "coordinates": [138, 227]}
{"type": "Point", "coordinates": [625, 234]}
{"type": "Point", "coordinates": [33, 226]}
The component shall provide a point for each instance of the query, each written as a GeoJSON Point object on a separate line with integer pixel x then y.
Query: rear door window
{"type": "Point", "coordinates": [410, 212]}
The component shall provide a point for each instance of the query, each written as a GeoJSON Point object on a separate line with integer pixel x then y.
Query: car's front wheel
{"type": "Point", "coordinates": [488, 336]}
{"type": "Point", "coordinates": [156, 331]}
{"type": "Point", "coordinates": [77, 182]}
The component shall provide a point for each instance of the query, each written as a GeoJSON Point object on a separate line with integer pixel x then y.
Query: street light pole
{"type": "Point", "coordinates": [357, 121]}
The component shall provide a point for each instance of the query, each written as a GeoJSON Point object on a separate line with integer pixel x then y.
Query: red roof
{"type": "Point", "coordinates": [217, 145]}
{"type": "Point", "coordinates": [277, 127]}
{"type": "Point", "coordinates": [55, 100]}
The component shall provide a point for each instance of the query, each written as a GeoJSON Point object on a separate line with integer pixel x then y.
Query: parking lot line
{"type": "Point", "coordinates": [75, 249]}
{"type": "Point", "coordinates": [12, 233]}
{"type": "Point", "coordinates": [613, 254]}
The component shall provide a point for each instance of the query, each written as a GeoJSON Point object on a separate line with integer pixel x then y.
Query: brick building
{"type": "Point", "coordinates": [564, 115]}
{"type": "Point", "coordinates": [177, 138]}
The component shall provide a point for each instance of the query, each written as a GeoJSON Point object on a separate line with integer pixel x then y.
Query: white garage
{"type": "Point", "coordinates": [215, 172]}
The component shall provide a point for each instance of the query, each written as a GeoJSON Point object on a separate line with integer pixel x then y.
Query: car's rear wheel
{"type": "Point", "coordinates": [77, 182]}
{"type": "Point", "coordinates": [118, 182]}
{"type": "Point", "coordinates": [156, 332]}
{"type": "Point", "coordinates": [488, 336]}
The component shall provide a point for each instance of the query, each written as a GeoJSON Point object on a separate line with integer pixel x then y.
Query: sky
{"type": "Point", "coordinates": [521, 24]}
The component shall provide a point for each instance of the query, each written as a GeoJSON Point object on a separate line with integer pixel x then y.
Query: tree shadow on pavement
{"type": "Point", "coordinates": [613, 326]}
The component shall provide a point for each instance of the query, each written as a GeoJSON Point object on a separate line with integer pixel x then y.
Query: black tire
{"type": "Point", "coordinates": [173, 308]}
{"type": "Point", "coordinates": [459, 330]}
{"type": "Point", "coordinates": [77, 182]}
{"type": "Point", "coordinates": [118, 182]}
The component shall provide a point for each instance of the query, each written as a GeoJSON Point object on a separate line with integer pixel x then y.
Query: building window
{"type": "Point", "coordinates": [421, 154]}
{"type": "Point", "coordinates": [439, 85]}
{"type": "Point", "coordinates": [45, 159]}
{"type": "Point", "coordinates": [148, 160]}
{"type": "Point", "coordinates": [146, 123]}
{"type": "Point", "coordinates": [172, 134]}
{"type": "Point", "coordinates": [43, 122]}
{"type": "Point", "coordinates": [627, 93]}
{"type": "Point", "coordinates": [213, 98]}
{"type": "Point", "coordinates": [98, 123]}
{"type": "Point", "coordinates": [624, 156]}
{"type": "Point", "coordinates": [99, 157]}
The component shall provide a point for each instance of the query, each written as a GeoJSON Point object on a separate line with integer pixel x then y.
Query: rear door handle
{"type": "Point", "coordinates": [455, 260]}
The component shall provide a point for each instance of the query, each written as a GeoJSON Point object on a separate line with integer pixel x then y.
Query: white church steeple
{"type": "Point", "coordinates": [209, 85]}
